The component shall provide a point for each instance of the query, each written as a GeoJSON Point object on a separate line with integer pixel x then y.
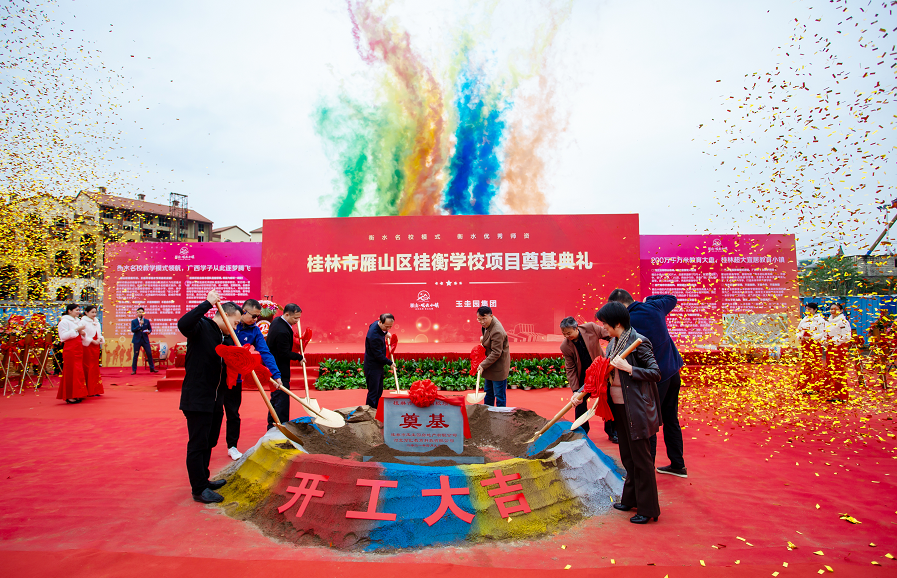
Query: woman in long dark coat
{"type": "Point", "coordinates": [632, 397]}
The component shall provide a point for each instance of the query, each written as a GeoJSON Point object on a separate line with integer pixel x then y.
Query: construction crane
{"type": "Point", "coordinates": [893, 205]}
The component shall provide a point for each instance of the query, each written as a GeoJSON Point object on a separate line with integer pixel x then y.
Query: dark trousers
{"type": "Point", "coordinates": [496, 393]}
{"type": "Point", "coordinates": [145, 346]}
{"type": "Point", "coordinates": [668, 390]}
{"type": "Point", "coordinates": [373, 377]}
{"type": "Point", "coordinates": [280, 400]}
{"type": "Point", "coordinates": [233, 397]}
{"type": "Point", "coordinates": [581, 409]}
{"type": "Point", "coordinates": [203, 429]}
{"type": "Point", "coordinates": [640, 488]}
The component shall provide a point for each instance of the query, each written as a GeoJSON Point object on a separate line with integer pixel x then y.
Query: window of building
{"type": "Point", "coordinates": [37, 284]}
{"type": "Point", "coordinates": [9, 283]}
{"type": "Point", "coordinates": [201, 227]}
{"type": "Point", "coordinates": [87, 261]}
{"type": "Point", "coordinates": [89, 295]}
{"type": "Point", "coordinates": [60, 228]}
{"type": "Point", "coordinates": [65, 293]}
{"type": "Point", "coordinates": [62, 264]}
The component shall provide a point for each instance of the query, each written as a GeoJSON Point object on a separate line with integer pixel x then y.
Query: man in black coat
{"type": "Point", "coordinates": [650, 319]}
{"type": "Point", "coordinates": [202, 394]}
{"type": "Point", "coordinates": [280, 343]}
{"type": "Point", "coordinates": [375, 359]}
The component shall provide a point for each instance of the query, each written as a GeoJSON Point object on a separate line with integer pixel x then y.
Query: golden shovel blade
{"type": "Point", "coordinates": [330, 418]}
{"type": "Point", "coordinates": [474, 398]}
{"type": "Point", "coordinates": [582, 419]}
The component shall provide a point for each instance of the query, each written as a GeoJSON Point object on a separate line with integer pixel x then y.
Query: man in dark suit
{"type": "Point", "coordinates": [141, 329]}
{"type": "Point", "coordinates": [649, 319]}
{"type": "Point", "coordinates": [375, 359]}
{"type": "Point", "coordinates": [280, 343]}
{"type": "Point", "coordinates": [580, 347]}
{"type": "Point", "coordinates": [202, 393]}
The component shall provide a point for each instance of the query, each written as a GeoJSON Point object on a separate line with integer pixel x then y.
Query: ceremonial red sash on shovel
{"type": "Point", "coordinates": [596, 385]}
{"type": "Point", "coordinates": [242, 361]}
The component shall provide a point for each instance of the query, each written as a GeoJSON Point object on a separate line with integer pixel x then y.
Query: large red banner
{"type": "Point", "coordinates": [169, 279]}
{"type": "Point", "coordinates": [433, 272]}
{"type": "Point", "coordinates": [732, 289]}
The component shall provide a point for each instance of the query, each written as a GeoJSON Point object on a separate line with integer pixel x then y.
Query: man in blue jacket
{"type": "Point", "coordinates": [650, 319]}
{"type": "Point", "coordinates": [141, 329]}
{"type": "Point", "coordinates": [247, 332]}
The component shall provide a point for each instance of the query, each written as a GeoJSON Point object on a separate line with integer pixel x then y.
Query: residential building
{"type": "Point", "coordinates": [52, 251]}
{"type": "Point", "coordinates": [256, 235]}
{"type": "Point", "coordinates": [232, 234]}
{"type": "Point", "coordinates": [128, 220]}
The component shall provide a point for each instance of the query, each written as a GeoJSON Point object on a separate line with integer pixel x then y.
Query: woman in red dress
{"type": "Point", "coordinates": [93, 341]}
{"type": "Point", "coordinates": [838, 334]}
{"type": "Point", "coordinates": [72, 388]}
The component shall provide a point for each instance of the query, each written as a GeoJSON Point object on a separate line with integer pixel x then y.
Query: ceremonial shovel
{"type": "Point", "coordinates": [591, 412]}
{"type": "Point", "coordinates": [326, 417]}
{"type": "Point", "coordinates": [393, 343]}
{"type": "Point", "coordinates": [290, 435]}
{"type": "Point", "coordinates": [554, 420]}
{"type": "Point", "coordinates": [476, 396]}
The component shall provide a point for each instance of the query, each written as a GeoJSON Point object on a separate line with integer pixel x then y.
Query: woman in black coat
{"type": "Point", "coordinates": [632, 397]}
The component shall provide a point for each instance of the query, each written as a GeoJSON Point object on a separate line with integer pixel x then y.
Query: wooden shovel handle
{"type": "Point", "coordinates": [297, 398]}
{"type": "Point", "coordinates": [631, 348]}
{"type": "Point", "coordinates": [258, 384]}
{"type": "Point", "coordinates": [623, 355]}
{"type": "Point", "coordinates": [557, 417]}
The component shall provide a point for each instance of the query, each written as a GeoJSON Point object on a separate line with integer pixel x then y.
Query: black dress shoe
{"type": "Point", "coordinates": [208, 497]}
{"type": "Point", "coordinates": [153, 371]}
{"type": "Point", "coordinates": [622, 507]}
{"type": "Point", "coordinates": [216, 484]}
{"type": "Point", "coordinates": [639, 519]}
{"type": "Point", "coordinates": [615, 440]}
{"type": "Point", "coordinates": [133, 373]}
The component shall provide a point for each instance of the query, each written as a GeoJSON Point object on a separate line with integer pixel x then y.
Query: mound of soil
{"type": "Point", "coordinates": [495, 436]}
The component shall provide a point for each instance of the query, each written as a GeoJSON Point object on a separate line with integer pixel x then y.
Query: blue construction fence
{"type": "Point", "coordinates": [862, 311]}
{"type": "Point", "coordinates": [52, 313]}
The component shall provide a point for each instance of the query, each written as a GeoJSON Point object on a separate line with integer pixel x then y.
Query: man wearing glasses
{"type": "Point", "coordinates": [247, 332]}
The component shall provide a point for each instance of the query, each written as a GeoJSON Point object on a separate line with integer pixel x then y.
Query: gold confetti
{"type": "Point", "coordinates": [819, 553]}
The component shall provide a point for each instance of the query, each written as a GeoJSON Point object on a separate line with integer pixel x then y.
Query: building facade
{"type": "Point", "coordinates": [232, 234]}
{"type": "Point", "coordinates": [52, 250]}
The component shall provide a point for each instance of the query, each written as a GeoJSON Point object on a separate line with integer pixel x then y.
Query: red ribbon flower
{"type": "Point", "coordinates": [596, 385]}
{"type": "Point", "coordinates": [242, 361]}
{"type": "Point", "coordinates": [477, 356]}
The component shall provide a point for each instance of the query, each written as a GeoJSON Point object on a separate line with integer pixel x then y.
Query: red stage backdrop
{"type": "Point", "coordinates": [433, 272]}
{"type": "Point", "coordinates": [169, 279]}
{"type": "Point", "coordinates": [732, 289]}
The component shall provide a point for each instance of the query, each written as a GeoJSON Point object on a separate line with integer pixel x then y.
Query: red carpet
{"type": "Point", "coordinates": [99, 489]}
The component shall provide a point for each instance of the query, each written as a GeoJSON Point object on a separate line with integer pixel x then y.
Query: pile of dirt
{"type": "Point", "coordinates": [495, 436]}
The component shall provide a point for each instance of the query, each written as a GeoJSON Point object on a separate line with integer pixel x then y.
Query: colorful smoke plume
{"type": "Point", "coordinates": [463, 138]}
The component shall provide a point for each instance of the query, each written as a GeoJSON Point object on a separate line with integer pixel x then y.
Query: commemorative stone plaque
{"type": "Point", "coordinates": [409, 428]}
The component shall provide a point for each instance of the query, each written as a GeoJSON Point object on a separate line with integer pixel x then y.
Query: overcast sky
{"type": "Point", "coordinates": [218, 98]}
